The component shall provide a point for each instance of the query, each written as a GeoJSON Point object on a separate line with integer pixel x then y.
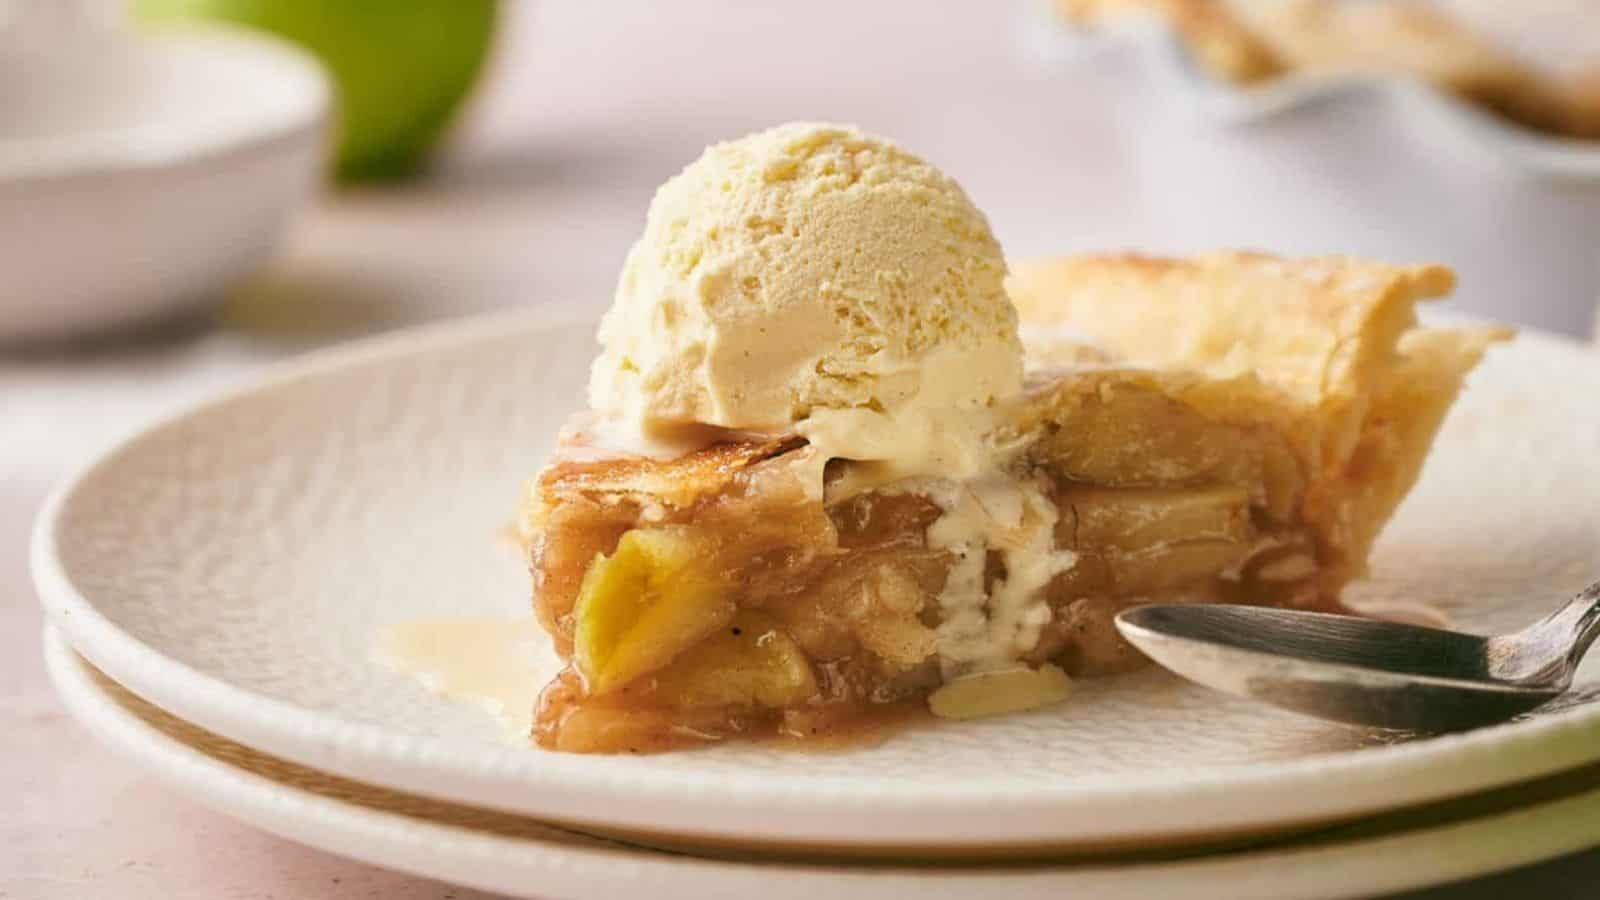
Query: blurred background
{"type": "Point", "coordinates": [1072, 140]}
{"type": "Point", "coordinates": [550, 123]}
{"type": "Point", "coordinates": [182, 205]}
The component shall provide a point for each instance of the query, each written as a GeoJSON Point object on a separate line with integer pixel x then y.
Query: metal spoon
{"type": "Point", "coordinates": [1366, 671]}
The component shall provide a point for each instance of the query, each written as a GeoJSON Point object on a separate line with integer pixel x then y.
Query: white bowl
{"type": "Point", "coordinates": [1373, 165]}
{"type": "Point", "coordinates": [142, 174]}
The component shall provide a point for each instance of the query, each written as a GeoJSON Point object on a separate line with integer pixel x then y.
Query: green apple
{"type": "Point", "coordinates": [401, 67]}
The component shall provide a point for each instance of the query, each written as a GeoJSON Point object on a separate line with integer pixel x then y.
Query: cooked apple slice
{"type": "Point", "coordinates": [1131, 520]}
{"type": "Point", "coordinates": [1175, 565]}
{"type": "Point", "coordinates": [750, 662]}
{"type": "Point", "coordinates": [999, 692]}
{"type": "Point", "coordinates": [1151, 539]}
{"type": "Point", "coordinates": [1124, 435]}
{"type": "Point", "coordinates": [650, 600]}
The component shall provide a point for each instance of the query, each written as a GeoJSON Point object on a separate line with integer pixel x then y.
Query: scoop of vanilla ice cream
{"type": "Point", "coordinates": [810, 278]}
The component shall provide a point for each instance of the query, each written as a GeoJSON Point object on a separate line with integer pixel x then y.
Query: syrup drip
{"type": "Point", "coordinates": [498, 665]}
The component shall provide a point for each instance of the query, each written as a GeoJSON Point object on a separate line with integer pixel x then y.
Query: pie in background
{"type": "Point", "coordinates": [1250, 41]}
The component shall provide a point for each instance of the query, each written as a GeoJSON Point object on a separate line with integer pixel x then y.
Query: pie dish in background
{"type": "Point", "coordinates": [1373, 164]}
{"type": "Point", "coordinates": [1496, 55]}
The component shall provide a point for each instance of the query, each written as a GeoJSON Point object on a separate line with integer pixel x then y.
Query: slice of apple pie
{"type": "Point", "coordinates": [1232, 428]}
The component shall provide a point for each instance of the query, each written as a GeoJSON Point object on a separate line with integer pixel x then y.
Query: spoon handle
{"type": "Point", "coordinates": [1581, 617]}
{"type": "Point", "coordinates": [1550, 649]}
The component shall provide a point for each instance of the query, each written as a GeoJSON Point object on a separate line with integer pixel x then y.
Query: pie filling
{"type": "Point", "coordinates": [771, 604]}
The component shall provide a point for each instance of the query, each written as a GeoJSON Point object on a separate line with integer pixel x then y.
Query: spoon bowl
{"type": "Point", "coordinates": [1366, 671]}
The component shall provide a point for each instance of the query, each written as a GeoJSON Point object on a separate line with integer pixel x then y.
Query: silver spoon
{"type": "Point", "coordinates": [1366, 671]}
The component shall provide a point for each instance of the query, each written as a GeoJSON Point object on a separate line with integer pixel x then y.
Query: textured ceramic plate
{"type": "Point", "coordinates": [1457, 839]}
{"type": "Point", "coordinates": [233, 564]}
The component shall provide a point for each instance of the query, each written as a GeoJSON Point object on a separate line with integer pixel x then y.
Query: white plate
{"type": "Point", "coordinates": [233, 563]}
{"type": "Point", "coordinates": [1516, 827]}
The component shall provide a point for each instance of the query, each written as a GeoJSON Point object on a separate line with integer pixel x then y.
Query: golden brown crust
{"type": "Point", "coordinates": [643, 480]}
{"type": "Point", "coordinates": [675, 481]}
{"type": "Point", "coordinates": [1319, 329]}
{"type": "Point", "coordinates": [1244, 41]}
{"type": "Point", "coordinates": [1358, 388]}
{"type": "Point", "coordinates": [1405, 416]}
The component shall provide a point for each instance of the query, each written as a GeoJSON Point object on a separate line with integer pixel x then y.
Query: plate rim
{"type": "Point", "coordinates": [456, 853]}
{"type": "Point", "coordinates": [565, 788]}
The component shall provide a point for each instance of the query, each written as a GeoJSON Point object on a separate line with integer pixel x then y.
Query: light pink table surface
{"type": "Point", "coordinates": [588, 109]}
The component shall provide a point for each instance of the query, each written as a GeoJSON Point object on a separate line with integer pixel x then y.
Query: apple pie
{"type": "Point", "coordinates": [1230, 428]}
